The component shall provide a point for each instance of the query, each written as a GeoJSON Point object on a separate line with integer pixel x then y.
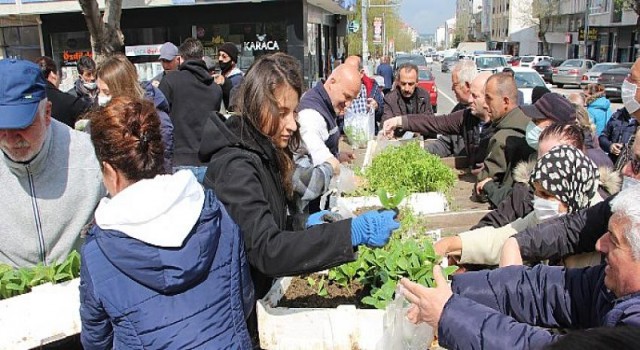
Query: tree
{"type": "Point", "coordinates": [632, 5]}
{"type": "Point", "coordinates": [106, 36]}
{"type": "Point", "coordinates": [543, 13]}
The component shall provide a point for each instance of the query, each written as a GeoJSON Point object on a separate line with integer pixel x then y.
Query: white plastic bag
{"type": "Point", "coordinates": [359, 127]}
{"type": "Point", "coordinates": [401, 333]}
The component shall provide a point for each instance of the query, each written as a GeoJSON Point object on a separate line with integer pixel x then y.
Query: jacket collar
{"type": "Point", "coordinates": [249, 137]}
{"type": "Point", "coordinates": [38, 163]}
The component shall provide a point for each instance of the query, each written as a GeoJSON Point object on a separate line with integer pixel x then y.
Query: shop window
{"type": "Point", "coordinates": [21, 42]}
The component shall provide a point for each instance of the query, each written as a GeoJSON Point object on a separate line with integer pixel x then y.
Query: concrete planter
{"type": "Point", "coordinates": [420, 203]}
{"type": "Point", "coordinates": [48, 313]}
{"type": "Point", "coordinates": [344, 327]}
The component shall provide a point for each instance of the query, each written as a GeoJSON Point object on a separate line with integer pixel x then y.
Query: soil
{"type": "Point", "coordinates": [363, 210]}
{"type": "Point", "coordinates": [301, 295]}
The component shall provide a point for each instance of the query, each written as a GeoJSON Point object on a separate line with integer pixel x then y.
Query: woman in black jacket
{"type": "Point", "coordinates": [250, 169]}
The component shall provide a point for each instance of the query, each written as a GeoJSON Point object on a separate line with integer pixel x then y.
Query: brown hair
{"type": "Point", "coordinates": [593, 92]}
{"type": "Point", "coordinates": [257, 102]}
{"type": "Point", "coordinates": [47, 66]}
{"type": "Point", "coordinates": [126, 134]}
{"type": "Point", "coordinates": [121, 77]}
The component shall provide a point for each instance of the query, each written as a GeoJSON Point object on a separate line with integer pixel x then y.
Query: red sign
{"type": "Point", "coordinates": [72, 57]}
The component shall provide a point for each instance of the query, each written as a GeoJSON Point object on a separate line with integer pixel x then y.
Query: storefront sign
{"type": "Point", "coordinates": [261, 44]}
{"type": "Point", "coordinates": [72, 57]}
{"type": "Point", "coordinates": [567, 38]}
{"type": "Point", "coordinates": [377, 30]}
{"type": "Point", "coordinates": [142, 50]}
{"type": "Point", "coordinates": [593, 34]}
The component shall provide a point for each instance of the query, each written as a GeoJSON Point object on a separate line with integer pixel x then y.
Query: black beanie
{"type": "Point", "coordinates": [538, 92]}
{"type": "Point", "coordinates": [231, 50]}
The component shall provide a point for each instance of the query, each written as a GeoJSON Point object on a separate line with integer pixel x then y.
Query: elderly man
{"type": "Point", "coordinates": [506, 308]}
{"type": "Point", "coordinates": [51, 179]}
{"type": "Point", "coordinates": [407, 97]}
{"type": "Point", "coordinates": [317, 114]}
{"type": "Point", "coordinates": [170, 60]}
{"type": "Point", "coordinates": [471, 123]}
{"type": "Point", "coordinates": [508, 145]}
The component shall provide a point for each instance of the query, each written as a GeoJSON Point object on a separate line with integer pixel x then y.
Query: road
{"type": "Point", "coordinates": [446, 98]}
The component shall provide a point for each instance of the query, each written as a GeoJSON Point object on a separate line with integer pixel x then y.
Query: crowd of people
{"type": "Point", "coordinates": [184, 215]}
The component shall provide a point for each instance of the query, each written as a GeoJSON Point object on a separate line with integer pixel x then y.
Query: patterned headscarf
{"type": "Point", "coordinates": [569, 175]}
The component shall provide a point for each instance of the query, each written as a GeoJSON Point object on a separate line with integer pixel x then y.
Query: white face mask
{"type": "Point", "coordinates": [628, 182]}
{"type": "Point", "coordinates": [546, 209]}
{"type": "Point", "coordinates": [90, 86]}
{"type": "Point", "coordinates": [629, 96]}
{"type": "Point", "coordinates": [533, 132]}
{"type": "Point", "coordinates": [103, 100]}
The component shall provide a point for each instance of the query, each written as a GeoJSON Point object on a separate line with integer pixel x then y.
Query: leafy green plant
{"type": "Point", "coordinates": [409, 167]}
{"type": "Point", "coordinates": [391, 202]}
{"type": "Point", "coordinates": [320, 286]}
{"type": "Point", "coordinates": [356, 136]}
{"type": "Point", "coordinates": [19, 281]}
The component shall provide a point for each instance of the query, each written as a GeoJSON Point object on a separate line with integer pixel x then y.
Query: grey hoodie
{"type": "Point", "coordinates": [46, 202]}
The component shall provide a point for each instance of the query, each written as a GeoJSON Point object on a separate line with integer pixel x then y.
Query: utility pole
{"type": "Point", "coordinates": [364, 25]}
{"type": "Point", "coordinates": [586, 28]}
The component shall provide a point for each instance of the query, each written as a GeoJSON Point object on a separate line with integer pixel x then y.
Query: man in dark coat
{"type": "Point", "coordinates": [407, 97]}
{"type": "Point", "coordinates": [506, 308]}
{"type": "Point", "coordinates": [192, 95]}
{"type": "Point", "coordinates": [617, 133]}
{"type": "Point", "coordinates": [64, 107]}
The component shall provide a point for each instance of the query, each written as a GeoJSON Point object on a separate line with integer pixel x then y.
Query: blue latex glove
{"type": "Point", "coordinates": [373, 228]}
{"type": "Point", "coordinates": [322, 217]}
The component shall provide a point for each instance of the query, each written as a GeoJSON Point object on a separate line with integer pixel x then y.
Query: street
{"type": "Point", "coordinates": [446, 98]}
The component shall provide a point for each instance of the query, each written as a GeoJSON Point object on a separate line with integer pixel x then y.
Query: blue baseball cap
{"type": "Point", "coordinates": [22, 87]}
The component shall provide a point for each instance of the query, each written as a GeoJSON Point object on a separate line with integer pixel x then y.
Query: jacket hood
{"type": "Point", "coordinates": [199, 69]}
{"type": "Point", "coordinates": [610, 180]}
{"type": "Point", "coordinates": [162, 232]}
{"type": "Point", "coordinates": [600, 103]}
{"type": "Point", "coordinates": [154, 94]}
{"type": "Point", "coordinates": [234, 131]}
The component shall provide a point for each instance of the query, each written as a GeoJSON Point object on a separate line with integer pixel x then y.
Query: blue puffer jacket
{"type": "Point", "coordinates": [154, 94]}
{"type": "Point", "coordinates": [177, 279]}
{"type": "Point", "coordinates": [599, 113]}
{"type": "Point", "coordinates": [619, 129]}
{"type": "Point", "coordinates": [505, 308]}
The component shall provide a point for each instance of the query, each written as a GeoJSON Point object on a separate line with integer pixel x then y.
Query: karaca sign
{"type": "Point", "coordinates": [261, 44]}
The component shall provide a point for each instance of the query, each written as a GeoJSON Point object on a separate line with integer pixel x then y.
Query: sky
{"type": "Point", "coordinates": [427, 15]}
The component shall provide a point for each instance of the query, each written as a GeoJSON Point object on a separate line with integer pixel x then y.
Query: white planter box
{"type": "Point", "coordinates": [48, 313]}
{"type": "Point", "coordinates": [420, 203]}
{"type": "Point", "coordinates": [344, 327]}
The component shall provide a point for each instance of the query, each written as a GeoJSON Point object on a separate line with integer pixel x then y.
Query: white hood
{"type": "Point", "coordinates": [159, 211]}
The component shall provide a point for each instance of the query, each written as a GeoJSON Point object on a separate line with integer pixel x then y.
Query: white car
{"type": "Point", "coordinates": [490, 63]}
{"type": "Point", "coordinates": [526, 80]}
{"type": "Point", "coordinates": [530, 61]}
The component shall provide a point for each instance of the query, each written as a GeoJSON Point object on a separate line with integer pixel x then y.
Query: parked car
{"type": "Point", "coordinates": [427, 81]}
{"type": "Point", "coordinates": [416, 59]}
{"type": "Point", "coordinates": [530, 61]}
{"type": "Point", "coordinates": [448, 63]}
{"type": "Point", "coordinates": [545, 69]}
{"type": "Point", "coordinates": [593, 74]}
{"type": "Point", "coordinates": [526, 80]}
{"type": "Point", "coordinates": [490, 63]}
{"type": "Point", "coordinates": [571, 71]}
{"type": "Point", "coordinates": [514, 61]}
{"type": "Point", "coordinates": [612, 81]}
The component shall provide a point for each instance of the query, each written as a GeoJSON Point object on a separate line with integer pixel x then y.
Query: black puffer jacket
{"type": "Point", "coordinates": [244, 175]}
{"type": "Point", "coordinates": [192, 95]}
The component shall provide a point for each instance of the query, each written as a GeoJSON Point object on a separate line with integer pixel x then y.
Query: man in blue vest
{"type": "Point", "coordinates": [317, 114]}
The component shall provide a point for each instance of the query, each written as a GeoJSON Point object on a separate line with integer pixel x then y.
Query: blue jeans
{"type": "Point", "coordinates": [198, 171]}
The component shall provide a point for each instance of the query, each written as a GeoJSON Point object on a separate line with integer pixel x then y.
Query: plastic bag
{"type": "Point", "coordinates": [401, 333]}
{"type": "Point", "coordinates": [359, 127]}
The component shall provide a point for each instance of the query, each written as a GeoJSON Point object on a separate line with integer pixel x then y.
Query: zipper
{"type": "Point", "coordinates": [36, 215]}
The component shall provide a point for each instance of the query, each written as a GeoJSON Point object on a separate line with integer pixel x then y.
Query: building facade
{"type": "Point", "coordinates": [311, 31]}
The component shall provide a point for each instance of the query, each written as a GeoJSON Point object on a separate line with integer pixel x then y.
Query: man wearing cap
{"type": "Point", "coordinates": [230, 76]}
{"type": "Point", "coordinates": [170, 61]}
{"type": "Point", "coordinates": [51, 179]}
{"type": "Point", "coordinates": [508, 146]}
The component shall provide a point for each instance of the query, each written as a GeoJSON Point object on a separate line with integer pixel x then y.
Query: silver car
{"type": "Point", "coordinates": [571, 71]}
{"type": "Point", "coordinates": [591, 77]}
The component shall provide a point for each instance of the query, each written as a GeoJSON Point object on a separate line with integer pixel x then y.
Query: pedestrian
{"type": "Point", "coordinates": [170, 60]}
{"type": "Point", "coordinates": [118, 77]}
{"type": "Point", "coordinates": [85, 86]}
{"type": "Point", "coordinates": [230, 75]}
{"type": "Point", "coordinates": [51, 179]}
{"type": "Point", "coordinates": [164, 264]}
{"type": "Point", "coordinates": [598, 106]}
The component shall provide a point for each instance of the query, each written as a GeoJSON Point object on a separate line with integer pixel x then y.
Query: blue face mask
{"type": "Point", "coordinates": [533, 134]}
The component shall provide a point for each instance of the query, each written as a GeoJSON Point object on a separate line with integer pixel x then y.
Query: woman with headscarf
{"type": "Point", "coordinates": [564, 180]}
